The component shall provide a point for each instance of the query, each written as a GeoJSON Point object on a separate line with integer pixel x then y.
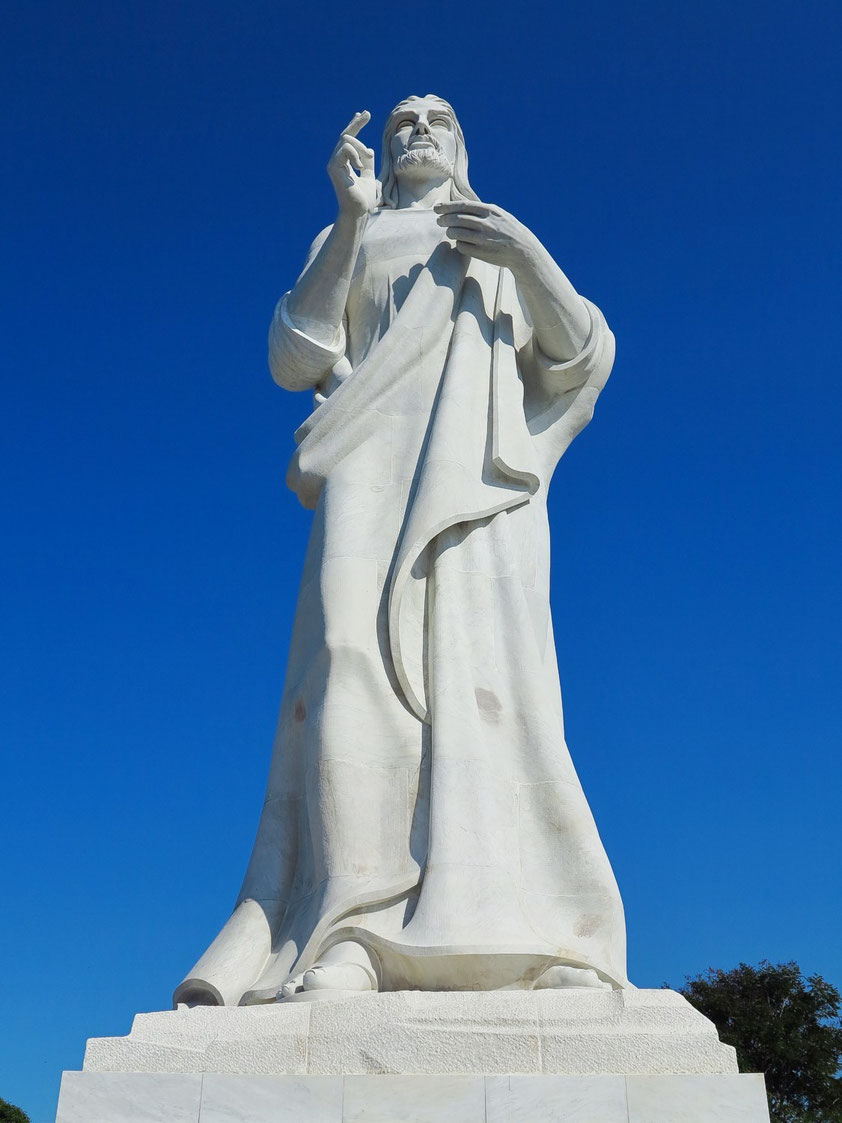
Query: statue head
{"type": "Point", "coordinates": [423, 140]}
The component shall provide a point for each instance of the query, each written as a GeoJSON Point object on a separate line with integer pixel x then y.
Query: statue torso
{"type": "Point", "coordinates": [397, 245]}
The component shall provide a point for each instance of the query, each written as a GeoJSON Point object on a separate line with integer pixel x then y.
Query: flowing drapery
{"type": "Point", "coordinates": [422, 799]}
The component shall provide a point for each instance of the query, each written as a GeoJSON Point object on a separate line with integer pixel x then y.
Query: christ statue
{"type": "Point", "coordinates": [424, 827]}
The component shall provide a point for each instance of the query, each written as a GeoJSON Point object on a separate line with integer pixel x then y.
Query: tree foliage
{"type": "Point", "coordinates": [11, 1114]}
{"type": "Point", "coordinates": [782, 1025]}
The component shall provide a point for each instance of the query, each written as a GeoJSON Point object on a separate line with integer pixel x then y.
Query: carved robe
{"type": "Point", "coordinates": [422, 800]}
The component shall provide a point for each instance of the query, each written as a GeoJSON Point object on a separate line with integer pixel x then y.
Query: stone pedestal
{"type": "Point", "coordinates": [573, 1056]}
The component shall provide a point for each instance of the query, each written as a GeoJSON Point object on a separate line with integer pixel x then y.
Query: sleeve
{"type": "Point", "coordinates": [559, 398]}
{"type": "Point", "coordinates": [296, 360]}
{"type": "Point", "coordinates": [588, 366]}
{"type": "Point", "coordinates": [551, 386]}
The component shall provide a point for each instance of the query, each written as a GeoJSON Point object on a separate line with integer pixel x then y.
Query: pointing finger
{"type": "Point", "coordinates": [357, 122]}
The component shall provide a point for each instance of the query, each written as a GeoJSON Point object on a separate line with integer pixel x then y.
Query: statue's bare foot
{"type": "Point", "coordinates": [561, 977]}
{"type": "Point", "coordinates": [292, 986]}
{"type": "Point", "coordinates": [338, 976]}
{"type": "Point", "coordinates": [345, 967]}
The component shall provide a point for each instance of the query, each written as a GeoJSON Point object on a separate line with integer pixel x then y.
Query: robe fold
{"type": "Point", "coordinates": [421, 799]}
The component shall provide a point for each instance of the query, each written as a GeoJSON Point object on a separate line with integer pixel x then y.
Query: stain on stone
{"type": "Point", "coordinates": [488, 704]}
{"type": "Point", "coordinates": [588, 925]}
{"type": "Point", "coordinates": [300, 711]}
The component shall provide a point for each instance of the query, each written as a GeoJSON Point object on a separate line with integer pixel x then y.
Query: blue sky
{"type": "Point", "coordinates": [165, 175]}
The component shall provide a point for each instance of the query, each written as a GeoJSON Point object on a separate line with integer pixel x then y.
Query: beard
{"type": "Point", "coordinates": [424, 160]}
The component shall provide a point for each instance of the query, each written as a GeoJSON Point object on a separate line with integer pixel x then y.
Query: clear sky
{"type": "Point", "coordinates": [164, 177]}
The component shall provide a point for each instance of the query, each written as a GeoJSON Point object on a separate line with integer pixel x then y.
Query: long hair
{"type": "Point", "coordinates": [460, 188]}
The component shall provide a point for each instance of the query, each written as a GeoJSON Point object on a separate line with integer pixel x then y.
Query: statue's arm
{"type": "Point", "coordinates": [306, 337]}
{"type": "Point", "coordinates": [561, 322]}
{"type": "Point", "coordinates": [316, 304]}
{"type": "Point", "coordinates": [297, 358]}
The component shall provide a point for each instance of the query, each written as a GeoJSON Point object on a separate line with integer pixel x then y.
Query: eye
{"type": "Point", "coordinates": [443, 121]}
{"type": "Point", "coordinates": [405, 125]}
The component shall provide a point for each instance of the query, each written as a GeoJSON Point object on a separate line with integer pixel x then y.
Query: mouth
{"type": "Point", "coordinates": [421, 144]}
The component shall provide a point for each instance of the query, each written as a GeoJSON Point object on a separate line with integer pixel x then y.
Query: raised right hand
{"type": "Point", "coordinates": [356, 194]}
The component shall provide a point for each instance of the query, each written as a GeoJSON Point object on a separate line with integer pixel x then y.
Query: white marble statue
{"type": "Point", "coordinates": [424, 827]}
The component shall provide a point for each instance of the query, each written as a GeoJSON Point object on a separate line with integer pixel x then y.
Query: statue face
{"type": "Point", "coordinates": [423, 144]}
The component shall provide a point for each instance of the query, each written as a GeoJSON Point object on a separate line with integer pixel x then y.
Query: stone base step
{"type": "Point", "coordinates": [564, 1032]}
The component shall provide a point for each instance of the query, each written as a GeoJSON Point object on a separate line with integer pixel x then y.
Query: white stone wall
{"type": "Point", "coordinates": [225, 1098]}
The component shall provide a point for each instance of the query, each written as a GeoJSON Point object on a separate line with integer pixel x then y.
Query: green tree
{"type": "Point", "coordinates": [11, 1114]}
{"type": "Point", "coordinates": [782, 1025]}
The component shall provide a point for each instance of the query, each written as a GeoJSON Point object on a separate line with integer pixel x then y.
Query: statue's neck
{"type": "Point", "coordinates": [422, 195]}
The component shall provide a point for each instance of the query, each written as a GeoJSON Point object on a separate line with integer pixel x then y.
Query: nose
{"type": "Point", "coordinates": [421, 127]}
